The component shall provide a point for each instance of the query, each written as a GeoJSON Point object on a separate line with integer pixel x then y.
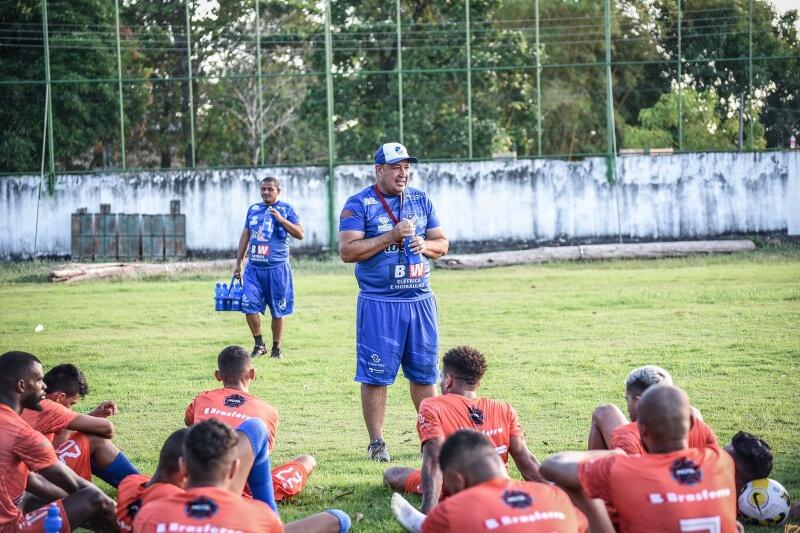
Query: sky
{"type": "Point", "coordinates": [785, 5]}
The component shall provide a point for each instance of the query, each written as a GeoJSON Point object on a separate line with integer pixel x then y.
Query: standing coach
{"type": "Point", "coordinates": [267, 278]}
{"type": "Point", "coordinates": [396, 322]}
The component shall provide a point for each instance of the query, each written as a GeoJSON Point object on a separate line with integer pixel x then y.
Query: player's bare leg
{"type": "Point", "coordinates": [308, 462]}
{"type": "Point", "coordinates": [254, 322]}
{"type": "Point", "coordinates": [594, 510]}
{"type": "Point", "coordinates": [373, 406]}
{"type": "Point", "coordinates": [605, 420]}
{"type": "Point", "coordinates": [90, 508]}
{"type": "Point", "coordinates": [104, 451]}
{"type": "Point", "coordinates": [396, 477]}
{"type": "Point", "coordinates": [325, 522]}
{"type": "Point", "coordinates": [420, 392]}
{"type": "Point", "coordinates": [277, 335]}
{"type": "Point", "coordinates": [244, 452]}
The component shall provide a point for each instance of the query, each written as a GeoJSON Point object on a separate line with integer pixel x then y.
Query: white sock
{"type": "Point", "coordinates": [406, 514]}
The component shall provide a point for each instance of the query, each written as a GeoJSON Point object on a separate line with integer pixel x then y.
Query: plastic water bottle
{"type": "Point", "coordinates": [53, 521]}
{"type": "Point", "coordinates": [218, 297]}
{"type": "Point", "coordinates": [226, 302]}
{"type": "Point", "coordinates": [414, 258]}
{"type": "Point", "coordinates": [236, 294]}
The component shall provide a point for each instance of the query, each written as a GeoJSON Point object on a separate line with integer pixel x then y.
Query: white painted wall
{"type": "Point", "coordinates": [680, 196]}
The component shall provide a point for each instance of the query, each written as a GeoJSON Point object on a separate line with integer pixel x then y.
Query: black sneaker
{"type": "Point", "coordinates": [276, 352]}
{"type": "Point", "coordinates": [258, 349]}
{"type": "Point", "coordinates": [376, 451]}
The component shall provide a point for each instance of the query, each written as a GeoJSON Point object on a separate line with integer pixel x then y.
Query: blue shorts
{"type": "Point", "coordinates": [394, 334]}
{"type": "Point", "coordinates": [268, 287]}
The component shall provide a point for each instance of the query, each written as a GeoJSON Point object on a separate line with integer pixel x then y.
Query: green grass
{"type": "Point", "coordinates": [560, 339]}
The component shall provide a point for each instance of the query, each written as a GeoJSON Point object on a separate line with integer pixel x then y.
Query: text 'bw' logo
{"type": "Point", "coordinates": [234, 400]}
{"type": "Point", "coordinates": [409, 271]}
{"type": "Point", "coordinates": [686, 472]}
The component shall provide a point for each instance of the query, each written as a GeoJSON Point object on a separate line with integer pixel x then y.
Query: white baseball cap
{"type": "Point", "coordinates": [391, 153]}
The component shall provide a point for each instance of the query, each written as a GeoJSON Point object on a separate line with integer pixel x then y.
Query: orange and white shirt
{"type": "Point", "coordinates": [687, 490]}
{"type": "Point", "coordinates": [51, 419]}
{"type": "Point", "coordinates": [441, 416]}
{"type": "Point", "coordinates": [133, 493]}
{"type": "Point", "coordinates": [204, 509]}
{"type": "Point", "coordinates": [232, 407]}
{"type": "Point", "coordinates": [507, 505]}
{"type": "Point", "coordinates": [627, 437]}
{"type": "Point", "coordinates": [22, 449]}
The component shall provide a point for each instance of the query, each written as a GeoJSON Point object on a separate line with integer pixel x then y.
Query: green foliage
{"type": "Point", "coordinates": [559, 339]}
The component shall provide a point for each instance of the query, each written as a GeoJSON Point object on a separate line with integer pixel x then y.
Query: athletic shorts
{"type": "Point", "coordinates": [287, 481]}
{"type": "Point", "coordinates": [268, 287]}
{"type": "Point", "coordinates": [33, 522]}
{"type": "Point", "coordinates": [413, 485]}
{"type": "Point", "coordinates": [76, 453]}
{"type": "Point", "coordinates": [394, 334]}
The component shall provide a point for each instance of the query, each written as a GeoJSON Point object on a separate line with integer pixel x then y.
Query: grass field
{"type": "Point", "coordinates": [560, 339]}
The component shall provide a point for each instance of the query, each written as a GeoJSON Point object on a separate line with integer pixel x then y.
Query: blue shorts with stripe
{"type": "Point", "coordinates": [268, 287]}
{"type": "Point", "coordinates": [390, 335]}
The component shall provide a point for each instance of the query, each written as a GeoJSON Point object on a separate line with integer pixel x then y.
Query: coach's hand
{"type": "Point", "coordinates": [418, 245]}
{"type": "Point", "coordinates": [402, 229]}
{"type": "Point", "coordinates": [277, 214]}
{"type": "Point", "coordinates": [237, 271]}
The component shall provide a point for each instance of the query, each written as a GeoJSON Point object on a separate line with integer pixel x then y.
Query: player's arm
{"type": "Point", "coordinates": [433, 246]}
{"type": "Point", "coordinates": [43, 489]}
{"type": "Point", "coordinates": [562, 468]}
{"type": "Point", "coordinates": [64, 478]}
{"type": "Point", "coordinates": [93, 425]}
{"type": "Point", "coordinates": [105, 409]}
{"type": "Point", "coordinates": [431, 473]}
{"type": "Point", "coordinates": [295, 229]}
{"type": "Point", "coordinates": [526, 462]}
{"type": "Point", "coordinates": [353, 247]}
{"type": "Point", "coordinates": [243, 241]}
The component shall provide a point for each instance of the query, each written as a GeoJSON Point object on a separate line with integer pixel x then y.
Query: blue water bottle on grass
{"type": "Point", "coordinates": [53, 521]}
{"type": "Point", "coordinates": [236, 297]}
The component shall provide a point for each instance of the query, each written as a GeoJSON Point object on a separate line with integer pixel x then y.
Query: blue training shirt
{"type": "Point", "coordinates": [387, 276]}
{"type": "Point", "coordinates": [269, 240]}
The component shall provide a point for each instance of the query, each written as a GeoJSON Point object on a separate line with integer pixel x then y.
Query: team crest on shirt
{"type": "Point", "coordinates": [201, 508]}
{"type": "Point", "coordinates": [133, 508]}
{"type": "Point", "coordinates": [234, 400]}
{"type": "Point", "coordinates": [517, 499]}
{"type": "Point", "coordinates": [686, 472]}
{"type": "Point", "coordinates": [476, 415]}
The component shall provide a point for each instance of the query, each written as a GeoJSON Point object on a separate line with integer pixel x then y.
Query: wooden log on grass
{"type": "Point", "coordinates": [75, 272]}
{"type": "Point", "coordinates": [591, 252]}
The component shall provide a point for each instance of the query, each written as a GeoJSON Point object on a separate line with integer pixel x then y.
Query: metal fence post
{"type": "Point", "coordinates": [260, 84]}
{"type": "Point", "coordinates": [469, 79]}
{"type": "Point", "coordinates": [399, 69]}
{"type": "Point", "coordinates": [750, 73]}
{"type": "Point", "coordinates": [610, 133]}
{"type": "Point", "coordinates": [191, 89]}
{"type": "Point", "coordinates": [680, 79]}
{"type": "Point", "coordinates": [119, 89]}
{"type": "Point", "coordinates": [49, 95]}
{"type": "Point", "coordinates": [329, 93]}
{"type": "Point", "coordinates": [538, 85]}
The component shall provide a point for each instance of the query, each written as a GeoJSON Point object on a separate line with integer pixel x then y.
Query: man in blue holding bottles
{"type": "Point", "coordinates": [268, 276]}
{"type": "Point", "coordinates": [390, 231]}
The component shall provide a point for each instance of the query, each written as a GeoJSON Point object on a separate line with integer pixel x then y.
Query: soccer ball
{"type": "Point", "coordinates": [764, 502]}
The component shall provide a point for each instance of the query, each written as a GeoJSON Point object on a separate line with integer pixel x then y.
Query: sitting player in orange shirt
{"type": "Point", "coordinates": [610, 429]}
{"type": "Point", "coordinates": [673, 488]}
{"type": "Point", "coordinates": [460, 407]}
{"type": "Point", "coordinates": [483, 497]}
{"type": "Point", "coordinates": [136, 490]}
{"type": "Point", "coordinates": [233, 404]}
{"type": "Point", "coordinates": [216, 474]}
{"type": "Point", "coordinates": [82, 442]}
{"type": "Point", "coordinates": [24, 451]}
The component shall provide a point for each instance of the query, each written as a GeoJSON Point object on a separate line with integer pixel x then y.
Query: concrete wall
{"type": "Point", "coordinates": [680, 196]}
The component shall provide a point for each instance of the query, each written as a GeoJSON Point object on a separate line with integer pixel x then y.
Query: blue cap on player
{"type": "Point", "coordinates": [391, 153]}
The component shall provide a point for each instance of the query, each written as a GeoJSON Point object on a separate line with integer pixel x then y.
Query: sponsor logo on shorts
{"type": "Point", "coordinates": [234, 400]}
{"type": "Point", "coordinates": [375, 358]}
{"type": "Point", "coordinates": [202, 507]}
{"type": "Point", "coordinates": [282, 304]}
{"type": "Point", "coordinates": [476, 415]}
{"type": "Point", "coordinates": [686, 472]}
{"type": "Point", "coordinates": [517, 499]}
